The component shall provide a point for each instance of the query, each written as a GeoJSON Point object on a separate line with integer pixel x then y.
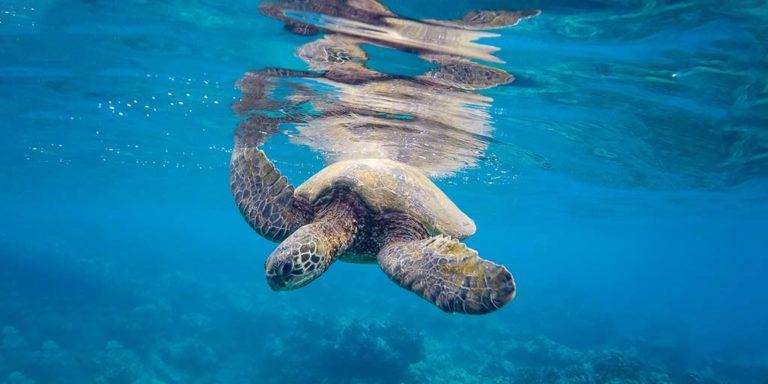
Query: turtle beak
{"type": "Point", "coordinates": [277, 283]}
{"type": "Point", "coordinates": [296, 262]}
{"type": "Point", "coordinates": [279, 275]}
{"type": "Point", "coordinates": [283, 275]}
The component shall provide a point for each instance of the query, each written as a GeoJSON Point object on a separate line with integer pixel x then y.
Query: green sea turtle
{"type": "Point", "coordinates": [366, 211]}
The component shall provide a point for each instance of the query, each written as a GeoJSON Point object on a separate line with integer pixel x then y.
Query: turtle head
{"type": "Point", "coordinates": [299, 260]}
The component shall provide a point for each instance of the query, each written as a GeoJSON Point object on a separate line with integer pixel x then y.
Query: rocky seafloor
{"type": "Point", "coordinates": [83, 320]}
{"type": "Point", "coordinates": [328, 350]}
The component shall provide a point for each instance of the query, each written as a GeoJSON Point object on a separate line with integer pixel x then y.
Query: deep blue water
{"type": "Point", "coordinates": [623, 184]}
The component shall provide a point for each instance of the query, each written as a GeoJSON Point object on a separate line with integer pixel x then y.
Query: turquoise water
{"type": "Point", "coordinates": [621, 178]}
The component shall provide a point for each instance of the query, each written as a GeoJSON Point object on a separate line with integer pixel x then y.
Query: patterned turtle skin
{"type": "Point", "coordinates": [366, 211]}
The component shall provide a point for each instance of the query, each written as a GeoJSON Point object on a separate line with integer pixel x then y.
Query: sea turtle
{"type": "Point", "coordinates": [366, 211]}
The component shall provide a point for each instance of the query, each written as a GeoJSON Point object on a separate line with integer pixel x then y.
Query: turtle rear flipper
{"type": "Point", "coordinates": [263, 195]}
{"type": "Point", "coordinates": [448, 274]}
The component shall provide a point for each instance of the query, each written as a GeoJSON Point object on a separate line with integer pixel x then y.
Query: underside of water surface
{"type": "Point", "coordinates": [612, 154]}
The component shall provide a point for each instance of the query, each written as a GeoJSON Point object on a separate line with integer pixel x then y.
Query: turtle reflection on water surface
{"type": "Point", "coordinates": [385, 133]}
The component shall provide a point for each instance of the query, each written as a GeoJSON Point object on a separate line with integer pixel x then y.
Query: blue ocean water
{"type": "Point", "coordinates": [622, 180]}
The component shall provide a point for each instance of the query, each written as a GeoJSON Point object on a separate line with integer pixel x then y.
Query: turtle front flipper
{"type": "Point", "coordinates": [447, 273]}
{"type": "Point", "coordinates": [262, 194]}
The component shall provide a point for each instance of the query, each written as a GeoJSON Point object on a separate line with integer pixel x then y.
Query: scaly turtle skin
{"type": "Point", "coordinates": [366, 211]}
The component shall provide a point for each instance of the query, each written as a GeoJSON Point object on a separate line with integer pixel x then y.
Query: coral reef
{"type": "Point", "coordinates": [541, 360]}
{"type": "Point", "coordinates": [353, 351]}
{"type": "Point", "coordinates": [195, 326]}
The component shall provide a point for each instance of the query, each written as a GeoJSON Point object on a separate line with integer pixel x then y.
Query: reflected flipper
{"type": "Point", "coordinates": [340, 57]}
{"type": "Point", "coordinates": [464, 74]}
{"type": "Point", "coordinates": [371, 6]}
{"type": "Point", "coordinates": [488, 19]}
